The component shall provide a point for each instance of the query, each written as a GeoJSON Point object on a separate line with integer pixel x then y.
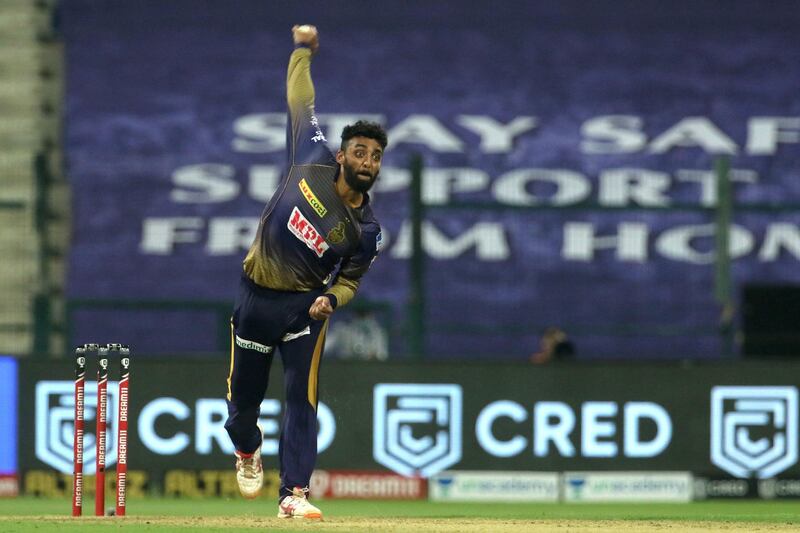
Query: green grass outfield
{"type": "Point", "coordinates": [44, 515]}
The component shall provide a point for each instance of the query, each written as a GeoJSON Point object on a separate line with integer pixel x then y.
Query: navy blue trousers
{"type": "Point", "coordinates": [263, 321]}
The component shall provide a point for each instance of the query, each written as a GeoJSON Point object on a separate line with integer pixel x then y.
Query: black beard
{"type": "Point", "coordinates": [355, 183]}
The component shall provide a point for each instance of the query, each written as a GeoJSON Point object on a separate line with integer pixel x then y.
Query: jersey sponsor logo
{"type": "Point", "coordinates": [252, 345]}
{"type": "Point", "coordinates": [318, 136]}
{"type": "Point", "coordinates": [336, 234]}
{"type": "Point", "coordinates": [379, 241]}
{"type": "Point", "coordinates": [292, 336]}
{"type": "Point", "coordinates": [306, 232]}
{"type": "Point", "coordinates": [312, 199]}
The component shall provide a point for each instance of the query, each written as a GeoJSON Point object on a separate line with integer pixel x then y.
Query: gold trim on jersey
{"type": "Point", "coordinates": [313, 372]}
{"type": "Point", "coordinates": [230, 372]}
{"type": "Point", "coordinates": [312, 199]}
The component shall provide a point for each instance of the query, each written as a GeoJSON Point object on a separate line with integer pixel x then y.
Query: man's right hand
{"type": "Point", "coordinates": [321, 308]}
{"type": "Point", "coordinates": [306, 35]}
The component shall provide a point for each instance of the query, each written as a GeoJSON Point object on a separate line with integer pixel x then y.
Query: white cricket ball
{"type": "Point", "coordinates": [304, 27]}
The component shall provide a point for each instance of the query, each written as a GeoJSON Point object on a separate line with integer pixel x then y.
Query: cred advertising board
{"type": "Point", "coordinates": [733, 420]}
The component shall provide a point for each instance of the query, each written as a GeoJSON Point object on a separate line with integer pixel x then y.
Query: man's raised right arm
{"type": "Point", "coordinates": [304, 133]}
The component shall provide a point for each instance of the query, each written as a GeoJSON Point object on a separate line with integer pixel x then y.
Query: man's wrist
{"type": "Point", "coordinates": [332, 298]}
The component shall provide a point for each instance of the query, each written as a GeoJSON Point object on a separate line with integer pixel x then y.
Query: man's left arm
{"type": "Point", "coordinates": [348, 279]}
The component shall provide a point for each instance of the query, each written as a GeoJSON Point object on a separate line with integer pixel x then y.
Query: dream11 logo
{"type": "Point", "coordinates": [754, 430]}
{"type": "Point", "coordinates": [55, 425]}
{"type": "Point", "coordinates": [417, 427]}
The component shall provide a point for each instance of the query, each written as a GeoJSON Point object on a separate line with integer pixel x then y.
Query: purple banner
{"type": "Point", "coordinates": [568, 162]}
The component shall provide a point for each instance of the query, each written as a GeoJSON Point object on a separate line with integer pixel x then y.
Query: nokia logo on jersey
{"type": "Point", "coordinates": [303, 230]}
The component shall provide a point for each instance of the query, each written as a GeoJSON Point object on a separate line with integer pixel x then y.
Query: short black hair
{"type": "Point", "coordinates": [362, 128]}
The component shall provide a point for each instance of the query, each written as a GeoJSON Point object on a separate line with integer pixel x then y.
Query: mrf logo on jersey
{"type": "Point", "coordinates": [306, 232]}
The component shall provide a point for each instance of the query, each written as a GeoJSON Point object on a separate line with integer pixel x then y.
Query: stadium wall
{"type": "Point", "coordinates": [722, 423]}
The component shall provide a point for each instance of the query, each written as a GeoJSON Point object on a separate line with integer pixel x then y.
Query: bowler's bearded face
{"type": "Point", "coordinates": [361, 163]}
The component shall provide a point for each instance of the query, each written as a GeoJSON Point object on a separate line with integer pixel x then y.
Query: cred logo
{"type": "Point", "coordinates": [55, 426]}
{"type": "Point", "coordinates": [754, 430]}
{"type": "Point", "coordinates": [417, 427]}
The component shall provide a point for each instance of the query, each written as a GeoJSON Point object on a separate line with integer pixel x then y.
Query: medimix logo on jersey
{"type": "Point", "coordinates": [306, 232]}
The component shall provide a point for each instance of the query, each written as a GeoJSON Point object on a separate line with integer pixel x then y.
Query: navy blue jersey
{"type": "Point", "coordinates": [306, 229]}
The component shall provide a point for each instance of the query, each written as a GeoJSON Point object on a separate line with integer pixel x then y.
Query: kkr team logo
{"type": "Point", "coordinates": [754, 430]}
{"type": "Point", "coordinates": [417, 427]}
{"type": "Point", "coordinates": [336, 234]}
{"type": "Point", "coordinates": [55, 426]}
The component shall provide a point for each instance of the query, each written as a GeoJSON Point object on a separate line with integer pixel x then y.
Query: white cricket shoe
{"type": "Point", "coordinates": [298, 506]}
{"type": "Point", "coordinates": [249, 473]}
